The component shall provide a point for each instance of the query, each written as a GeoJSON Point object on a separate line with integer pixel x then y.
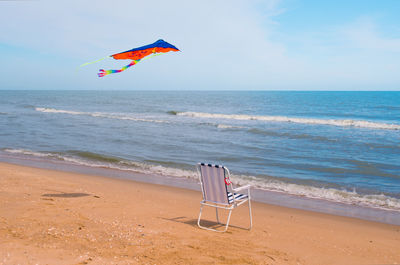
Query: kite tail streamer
{"type": "Point", "coordinates": [103, 72]}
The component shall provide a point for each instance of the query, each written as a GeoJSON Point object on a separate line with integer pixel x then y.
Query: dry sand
{"type": "Point", "coordinates": [54, 217]}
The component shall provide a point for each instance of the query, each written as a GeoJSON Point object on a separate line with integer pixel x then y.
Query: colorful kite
{"type": "Point", "coordinates": [136, 55]}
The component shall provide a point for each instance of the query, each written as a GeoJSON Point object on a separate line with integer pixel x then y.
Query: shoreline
{"type": "Point", "coordinates": [259, 195]}
{"type": "Point", "coordinates": [52, 216]}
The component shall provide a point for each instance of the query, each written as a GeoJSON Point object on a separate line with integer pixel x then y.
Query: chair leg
{"type": "Point", "coordinates": [215, 230]}
{"type": "Point", "coordinates": [227, 221]}
{"type": "Point", "coordinates": [216, 212]}
{"type": "Point", "coordinates": [198, 220]}
{"type": "Point", "coordinates": [251, 218]}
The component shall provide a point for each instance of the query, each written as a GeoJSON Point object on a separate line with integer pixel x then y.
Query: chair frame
{"type": "Point", "coordinates": [230, 206]}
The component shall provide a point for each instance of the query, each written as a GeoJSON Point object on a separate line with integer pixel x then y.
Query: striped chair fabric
{"type": "Point", "coordinates": [214, 187]}
{"type": "Point", "coordinates": [213, 179]}
{"type": "Point", "coordinates": [237, 196]}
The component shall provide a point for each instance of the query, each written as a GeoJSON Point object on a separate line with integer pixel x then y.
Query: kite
{"type": "Point", "coordinates": [136, 55]}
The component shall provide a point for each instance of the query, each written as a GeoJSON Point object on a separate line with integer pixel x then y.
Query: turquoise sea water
{"type": "Point", "coordinates": [337, 146]}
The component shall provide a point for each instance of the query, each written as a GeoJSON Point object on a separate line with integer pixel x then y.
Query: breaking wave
{"type": "Point", "coordinates": [343, 123]}
{"type": "Point", "coordinates": [98, 160]}
{"type": "Point", "coordinates": [226, 126]}
{"type": "Point", "coordinates": [380, 201]}
{"type": "Point", "coordinates": [99, 115]}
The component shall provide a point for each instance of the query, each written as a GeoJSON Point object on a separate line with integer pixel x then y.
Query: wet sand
{"type": "Point", "coordinates": [55, 217]}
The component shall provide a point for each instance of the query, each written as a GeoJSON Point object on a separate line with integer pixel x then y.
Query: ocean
{"type": "Point", "coordinates": [340, 147]}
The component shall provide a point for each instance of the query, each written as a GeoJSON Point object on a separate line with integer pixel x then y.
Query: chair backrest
{"type": "Point", "coordinates": [212, 179]}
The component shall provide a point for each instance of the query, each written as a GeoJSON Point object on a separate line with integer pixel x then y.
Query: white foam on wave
{"type": "Point", "coordinates": [379, 201]}
{"type": "Point", "coordinates": [99, 115]}
{"type": "Point", "coordinates": [29, 152]}
{"type": "Point", "coordinates": [121, 165]}
{"type": "Point", "coordinates": [343, 123]}
{"type": "Point", "coordinates": [50, 110]}
{"type": "Point", "coordinates": [226, 126]}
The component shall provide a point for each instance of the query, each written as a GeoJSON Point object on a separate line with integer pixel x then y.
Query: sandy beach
{"type": "Point", "coordinates": [54, 217]}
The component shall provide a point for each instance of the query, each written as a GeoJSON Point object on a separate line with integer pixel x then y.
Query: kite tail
{"type": "Point", "coordinates": [103, 72]}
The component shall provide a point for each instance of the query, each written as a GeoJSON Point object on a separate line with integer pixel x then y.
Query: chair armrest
{"type": "Point", "coordinates": [242, 188]}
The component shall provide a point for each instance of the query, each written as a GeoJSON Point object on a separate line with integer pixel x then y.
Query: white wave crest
{"type": "Point", "coordinates": [225, 126]}
{"type": "Point", "coordinates": [99, 115]}
{"type": "Point", "coordinates": [30, 153]}
{"type": "Point", "coordinates": [125, 165]}
{"type": "Point", "coordinates": [343, 123]}
{"type": "Point", "coordinates": [50, 110]}
{"type": "Point", "coordinates": [379, 201]}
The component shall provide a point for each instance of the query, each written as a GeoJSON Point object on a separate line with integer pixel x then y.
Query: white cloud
{"type": "Point", "coordinates": [222, 43]}
{"type": "Point", "coordinates": [225, 45]}
{"type": "Point", "coordinates": [364, 34]}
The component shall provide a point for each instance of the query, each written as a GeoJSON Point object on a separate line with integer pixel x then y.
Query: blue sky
{"type": "Point", "coordinates": [226, 45]}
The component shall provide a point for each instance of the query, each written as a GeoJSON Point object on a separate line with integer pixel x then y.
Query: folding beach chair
{"type": "Point", "coordinates": [218, 192]}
